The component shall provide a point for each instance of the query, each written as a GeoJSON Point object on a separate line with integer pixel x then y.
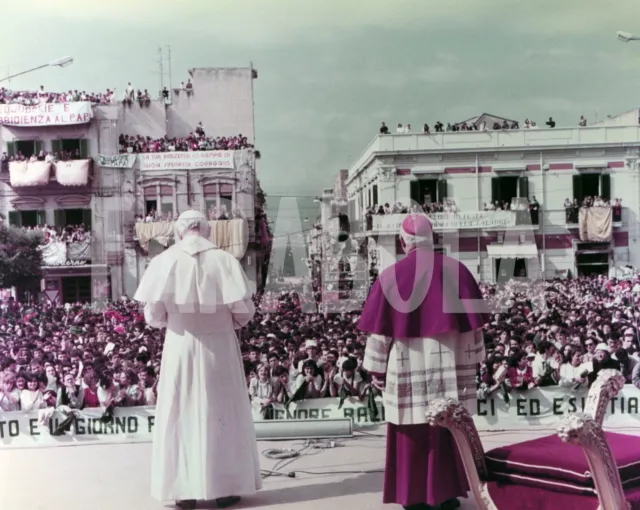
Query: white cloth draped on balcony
{"type": "Point", "coordinates": [79, 251]}
{"type": "Point", "coordinates": [73, 173]}
{"type": "Point", "coordinates": [230, 235]}
{"type": "Point", "coordinates": [24, 174]}
{"type": "Point", "coordinates": [59, 253]}
{"type": "Point", "coordinates": [54, 254]}
{"type": "Point", "coordinates": [596, 224]}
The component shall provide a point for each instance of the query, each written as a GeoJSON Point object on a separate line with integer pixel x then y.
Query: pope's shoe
{"type": "Point", "coordinates": [227, 502]}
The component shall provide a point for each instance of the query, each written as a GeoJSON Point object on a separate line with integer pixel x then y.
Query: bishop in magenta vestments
{"type": "Point", "coordinates": [424, 317]}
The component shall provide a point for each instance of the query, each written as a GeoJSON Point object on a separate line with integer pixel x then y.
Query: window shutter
{"type": "Point", "coordinates": [84, 148]}
{"type": "Point", "coordinates": [577, 188]}
{"type": "Point", "coordinates": [375, 194]}
{"type": "Point", "coordinates": [523, 187]}
{"type": "Point", "coordinates": [11, 148]}
{"type": "Point", "coordinates": [59, 218]}
{"type": "Point", "coordinates": [495, 189]}
{"type": "Point", "coordinates": [41, 217]}
{"type": "Point", "coordinates": [414, 192]}
{"type": "Point", "coordinates": [15, 220]}
{"type": "Point", "coordinates": [39, 146]}
{"type": "Point", "coordinates": [369, 201]}
{"type": "Point", "coordinates": [605, 186]}
{"type": "Point", "coordinates": [442, 190]}
{"type": "Point", "coordinates": [86, 218]}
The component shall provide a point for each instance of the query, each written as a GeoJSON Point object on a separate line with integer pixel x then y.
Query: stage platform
{"type": "Point", "coordinates": [116, 477]}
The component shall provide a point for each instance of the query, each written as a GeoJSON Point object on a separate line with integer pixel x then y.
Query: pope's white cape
{"type": "Point", "coordinates": [204, 442]}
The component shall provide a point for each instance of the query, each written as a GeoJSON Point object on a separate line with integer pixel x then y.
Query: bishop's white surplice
{"type": "Point", "coordinates": [204, 442]}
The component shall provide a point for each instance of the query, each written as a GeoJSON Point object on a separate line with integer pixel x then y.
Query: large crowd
{"type": "Point", "coordinates": [40, 96]}
{"type": "Point", "coordinates": [76, 357]}
{"type": "Point", "coordinates": [195, 141]}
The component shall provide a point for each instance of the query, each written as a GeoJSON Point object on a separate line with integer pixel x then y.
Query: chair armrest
{"type": "Point", "coordinates": [452, 415]}
{"type": "Point", "coordinates": [607, 385]}
{"type": "Point", "coordinates": [580, 429]}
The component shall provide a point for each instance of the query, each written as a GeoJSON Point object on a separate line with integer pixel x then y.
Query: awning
{"type": "Point", "coordinates": [591, 164]}
{"type": "Point", "coordinates": [509, 167]}
{"type": "Point", "coordinates": [421, 170]}
{"type": "Point", "coordinates": [512, 251]}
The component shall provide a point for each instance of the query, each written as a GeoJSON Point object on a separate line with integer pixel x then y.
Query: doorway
{"type": "Point", "coordinates": [506, 269]}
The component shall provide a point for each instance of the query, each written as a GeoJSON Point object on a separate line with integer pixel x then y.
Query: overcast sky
{"type": "Point", "coordinates": [331, 70]}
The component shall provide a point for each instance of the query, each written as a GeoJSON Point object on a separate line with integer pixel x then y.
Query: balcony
{"type": "Point", "coordinates": [62, 254]}
{"type": "Point", "coordinates": [492, 140]}
{"type": "Point", "coordinates": [442, 222]}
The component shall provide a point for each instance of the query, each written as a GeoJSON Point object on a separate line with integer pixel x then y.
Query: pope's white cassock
{"type": "Point", "coordinates": [204, 442]}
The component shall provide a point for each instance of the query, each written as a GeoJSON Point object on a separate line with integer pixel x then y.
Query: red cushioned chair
{"type": "Point", "coordinates": [549, 473]}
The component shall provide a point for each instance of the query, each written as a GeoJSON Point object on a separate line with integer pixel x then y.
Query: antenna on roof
{"type": "Point", "coordinates": [161, 67]}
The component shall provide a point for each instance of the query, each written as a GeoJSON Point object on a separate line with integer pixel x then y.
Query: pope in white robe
{"type": "Point", "coordinates": [204, 442]}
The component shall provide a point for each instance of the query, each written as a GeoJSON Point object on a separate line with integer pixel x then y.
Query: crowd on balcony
{"type": "Point", "coordinates": [40, 96]}
{"type": "Point", "coordinates": [66, 234]}
{"type": "Point", "coordinates": [572, 207]}
{"type": "Point", "coordinates": [195, 141]}
{"type": "Point", "coordinates": [505, 125]}
{"type": "Point", "coordinates": [47, 156]}
{"type": "Point", "coordinates": [213, 213]}
{"type": "Point", "coordinates": [71, 357]}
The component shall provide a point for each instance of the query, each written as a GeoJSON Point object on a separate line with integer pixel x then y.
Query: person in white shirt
{"type": "Point", "coordinates": [400, 129]}
{"type": "Point", "coordinates": [572, 371]}
{"type": "Point", "coordinates": [544, 369]}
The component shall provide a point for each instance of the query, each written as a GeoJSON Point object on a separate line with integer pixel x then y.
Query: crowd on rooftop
{"type": "Point", "coordinates": [41, 96]}
{"type": "Point", "coordinates": [473, 125]}
{"type": "Point", "coordinates": [195, 141]}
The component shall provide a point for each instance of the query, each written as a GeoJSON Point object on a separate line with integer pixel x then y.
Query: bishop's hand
{"type": "Point", "coordinates": [378, 382]}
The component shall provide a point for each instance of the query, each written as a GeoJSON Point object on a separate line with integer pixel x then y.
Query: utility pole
{"type": "Point", "coordinates": [169, 62]}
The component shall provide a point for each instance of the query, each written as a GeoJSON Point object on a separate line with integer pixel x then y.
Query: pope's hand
{"type": "Point", "coordinates": [378, 383]}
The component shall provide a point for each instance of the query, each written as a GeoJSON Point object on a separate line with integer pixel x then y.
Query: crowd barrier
{"type": "Point", "coordinates": [538, 407]}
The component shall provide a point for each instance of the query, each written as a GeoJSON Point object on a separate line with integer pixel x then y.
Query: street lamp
{"type": "Point", "coordinates": [626, 36]}
{"type": "Point", "coordinates": [60, 62]}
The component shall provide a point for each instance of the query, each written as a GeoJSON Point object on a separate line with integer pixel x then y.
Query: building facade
{"type": "Point", "coordinates": [540, 168]}
{"type": "Point", "coordinates": [107, 191]}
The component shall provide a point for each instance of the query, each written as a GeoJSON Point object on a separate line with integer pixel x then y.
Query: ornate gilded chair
{"type": "Point", "coordinates": [550, 473]}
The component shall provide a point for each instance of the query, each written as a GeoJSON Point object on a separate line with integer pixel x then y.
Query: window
{"type": "Point", "coordinates": [375, 194]}
{"type": "Point", "coordinates": [591, 185]}
{"type": "Point", "coordinates": [27, 148]}
{"type": "Point", "coordinates": [77, 146]}
{"type": "Point", "coordinates": [425, 191]}
{"type": "Point", "coordinates": [166, 208]}
{"type": "Point", "coordinates": [510, 268]}
{"type": "Point", "coordinates": [507, 187]}
{"type": "Point", "coordinates": [76, 288]}
{"type": "Point", "coordinates": [150, 206]}
{"type": "Point", "coordinates": [27, 218]}
{"type": "Point", "coordinates": [65, 217]}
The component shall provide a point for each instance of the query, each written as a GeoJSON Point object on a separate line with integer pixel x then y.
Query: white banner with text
{"type": "Point", "coordinates": [46, 114]}
{"type": "Point", "coordinates": [449, 221]}
{"type": "Point", "coordinates": [117, 161]}
{"type": "Point", "coordinates": [186, 160]}
{"type": "Point", "coordinates": [538, 407]}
